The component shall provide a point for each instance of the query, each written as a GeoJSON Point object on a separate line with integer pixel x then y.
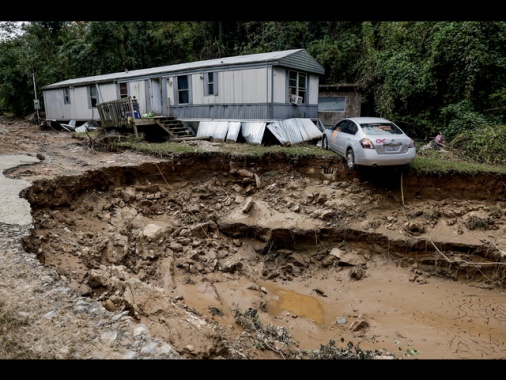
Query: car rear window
{"type": "Point", "coordinates": [381, 129]}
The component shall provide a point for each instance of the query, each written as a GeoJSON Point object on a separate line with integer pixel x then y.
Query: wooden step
{"type": "Point", "coordinates": [174, 128]}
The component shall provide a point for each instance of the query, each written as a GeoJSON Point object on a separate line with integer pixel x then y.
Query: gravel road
{"type": "Point", "coordinates": [52, 322]}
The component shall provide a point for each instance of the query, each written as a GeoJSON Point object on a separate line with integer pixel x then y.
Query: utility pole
{"type": "Point", "coordinates": [36, 103]}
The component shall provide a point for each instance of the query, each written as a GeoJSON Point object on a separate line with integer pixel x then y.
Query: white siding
{"type": "Point", "coordinates": [234, 87]}
{"type": "Point", "coordinates": [138, 89]}
{"type": "Point", "coordinates": [55, 109]}
{"type": "Point", "coordinates": [80, 99]}
{"type": "Point", "coordinates": [155, 96]}
{"type": "Point", "coordinates": [170, 93]}
{"type": "Point", "coordinates": [281, 86]}
{"type": "Point", "coordinates": [197, 91]}
{"type": "Point", "coordinates": [313, 89]}
{"type": "Point", "coordinates": [79, 106]}
{"type": "Point", "coordinates": [53, 104]}
{"type": "Point", "coordinates": [107, 92]}
{"type": "Point", "coordinates": [241, 86]}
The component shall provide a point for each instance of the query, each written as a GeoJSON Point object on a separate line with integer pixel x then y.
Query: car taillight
{"type": "Point", "coordinates": [411, 144]}
{"type": "Point", "coordinates": [366, 144]}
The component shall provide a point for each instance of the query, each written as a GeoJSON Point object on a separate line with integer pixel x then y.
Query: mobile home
{"type": "Point", "coordinates": [266, 87]}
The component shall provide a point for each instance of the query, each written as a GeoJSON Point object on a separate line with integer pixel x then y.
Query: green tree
{"type": "Point", "coordinates": [438, 75]}
{"type": "Point", "coordinates": [28, 62]}
{"type": "Point", "coordinates": [469, 65]}
{"type": "Point", "coordinates": [336, 45]}
{"type": "Point", "coordinates": [16, 90]}
{"type": "Point", "coordinates": [415, 70]}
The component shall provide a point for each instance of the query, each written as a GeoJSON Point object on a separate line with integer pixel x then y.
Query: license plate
{"type": "Point", "coordinates": [391, 148]}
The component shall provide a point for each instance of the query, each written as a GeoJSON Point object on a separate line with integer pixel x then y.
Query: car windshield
{"type": "Point", "coordinates": [373, 129]}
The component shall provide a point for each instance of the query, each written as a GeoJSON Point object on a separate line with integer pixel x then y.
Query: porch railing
{"type": "Point", "coordinates": [117, 112]}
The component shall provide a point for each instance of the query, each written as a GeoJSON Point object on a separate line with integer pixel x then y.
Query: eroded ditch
{"type": "Point", "coordinates": [245, 258]}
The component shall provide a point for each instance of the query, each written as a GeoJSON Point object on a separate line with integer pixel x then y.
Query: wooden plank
{"type": "Point", "coordinates": [165, 129]}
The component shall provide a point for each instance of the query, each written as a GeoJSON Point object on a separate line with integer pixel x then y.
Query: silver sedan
{"type": "Point", "coordinates": [369, 141]}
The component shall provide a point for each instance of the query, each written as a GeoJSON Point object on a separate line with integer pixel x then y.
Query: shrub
{"type": "Point", "coordinates": [484, 145]}
{"type": "Point", "coordinates": [461, 117]}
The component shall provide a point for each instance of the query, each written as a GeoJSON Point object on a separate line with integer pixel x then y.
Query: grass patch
{"type": "Point", "coordinates": [442, 162]}
{"type": "Point", "coordinates": [427, 161]}
{"type": "Point", "coordinates": [474, 223]}
{"type": "Point", "coordinates": [298, 150]}
{"type": "Point", "coordinates": [157, 148]}
{"type": "Point", "coordinates": [192, 146]}
{"type": "Point", "coordinates": [441, 166]}
{"type": "Point", "coordinates": [495, 212]}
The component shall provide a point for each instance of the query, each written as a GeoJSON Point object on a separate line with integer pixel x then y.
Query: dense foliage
{"type": "Point", "coordinates": [447, 76]}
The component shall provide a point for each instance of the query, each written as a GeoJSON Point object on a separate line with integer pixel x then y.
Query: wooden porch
{"type": "Point", "coordinates": [123, 112]}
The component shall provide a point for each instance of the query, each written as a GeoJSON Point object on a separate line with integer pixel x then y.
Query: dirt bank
{"type": "Point", "coordinates": [272, 258]}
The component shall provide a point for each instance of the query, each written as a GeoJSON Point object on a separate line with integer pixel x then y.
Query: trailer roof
{"type": "Point", "coordinates": [295, 58]}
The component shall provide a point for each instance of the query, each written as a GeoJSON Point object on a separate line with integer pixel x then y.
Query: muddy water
{"type": "Point", "coordinates": [437, 319]}
{"type": "Point", "coordinates": [283, 301]}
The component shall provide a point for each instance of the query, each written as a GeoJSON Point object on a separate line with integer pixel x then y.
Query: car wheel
{"type": "Point", "coordinates": [350, 159]}
{"type": "Point", "coordinates": [325, 143]}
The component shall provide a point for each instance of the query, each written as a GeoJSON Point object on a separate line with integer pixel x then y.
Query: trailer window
{"type": "Point", "coordinates": [297, 84]}
{"type": "Point", "coordinates": [123, 90]}
{"type": "Point", "coordinates": [210, 84]}
{"type": "Point", "coordinates": [66, 96]}
{"type": "Point", "coordinates": [93, 96]}
{"type": "Point", "coordinates": [183, 89]}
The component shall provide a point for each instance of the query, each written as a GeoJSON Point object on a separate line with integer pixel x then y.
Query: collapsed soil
{"type": "Point", "coordinates": [240, 257]}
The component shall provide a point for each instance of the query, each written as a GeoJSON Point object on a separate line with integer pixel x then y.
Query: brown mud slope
{"type": "Point", "coordinates": [282, 258]}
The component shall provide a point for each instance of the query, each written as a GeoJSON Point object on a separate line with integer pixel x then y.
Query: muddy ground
{"type": "Point", "coordinates": [230, 257]}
